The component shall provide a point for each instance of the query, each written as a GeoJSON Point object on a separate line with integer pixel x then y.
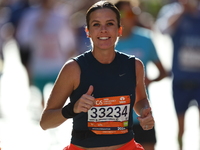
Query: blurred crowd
{"type": "Point", "coordinates": [49, 32]}
{"type": "Point", "coordinates": [59, 22]}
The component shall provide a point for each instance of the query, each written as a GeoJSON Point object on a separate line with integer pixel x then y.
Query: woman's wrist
{"type": "Point", "coordinates": [141, 110]}
{"type": "Point", "coordinates": [68, 111]}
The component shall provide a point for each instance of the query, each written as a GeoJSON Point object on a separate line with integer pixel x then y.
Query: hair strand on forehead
{"type": "Point", "coordinates": [101, 5]}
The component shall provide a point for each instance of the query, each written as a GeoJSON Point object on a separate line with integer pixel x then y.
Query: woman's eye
{"type": "Point", "coordinates": [110, 24]}
{"type": "Point", "coordinates": [96, 24]}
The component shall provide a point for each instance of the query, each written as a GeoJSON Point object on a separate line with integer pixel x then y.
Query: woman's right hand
{"type": "Point", "coordinates": [85, 102]}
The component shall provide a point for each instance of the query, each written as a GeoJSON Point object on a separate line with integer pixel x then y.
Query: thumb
{"type": "Point", "coordinates": [90, 90]}
{"type": "Point", "coordinates": [145, 112]}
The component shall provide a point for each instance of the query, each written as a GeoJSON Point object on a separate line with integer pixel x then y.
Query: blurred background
{"type": "Point", "coordinates": [36, 38]}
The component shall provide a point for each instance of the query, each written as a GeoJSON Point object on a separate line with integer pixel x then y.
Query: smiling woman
{"type": "Point", "coordinates": [103, 85]}
{"type": "Point", "coordinates": [103, 29]}
{"type": "Point", "coordinates": [104, 26]}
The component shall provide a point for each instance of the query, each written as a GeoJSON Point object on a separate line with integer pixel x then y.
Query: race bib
{"type": "Point", "coordinates": [109, 115]}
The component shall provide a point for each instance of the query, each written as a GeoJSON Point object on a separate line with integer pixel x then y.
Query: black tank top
{"type": "Point", "coordinates": [109, 80]}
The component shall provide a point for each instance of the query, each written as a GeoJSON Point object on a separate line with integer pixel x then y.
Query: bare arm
{"type": "Point", "coordinates": [171, 14]}
{"type": "Point", "coordinates": [162, 74]}
{"type": "Point", "coordinates": [142, 106]}
{"type": "Point", "coordinates": [188, 7]}
{"type": "Point", "coordinates": [66, 82]}
{"type": "Point", "coordinates": [168, 17]}
{"type": "Point", "coordinates": [141, 100]}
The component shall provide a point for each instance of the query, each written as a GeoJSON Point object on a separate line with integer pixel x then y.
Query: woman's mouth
{"type": "Point", "coordinates": [103, 38]}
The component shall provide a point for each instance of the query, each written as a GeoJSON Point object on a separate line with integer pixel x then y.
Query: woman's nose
{"type": "Point", "coordinates": [103, 29]}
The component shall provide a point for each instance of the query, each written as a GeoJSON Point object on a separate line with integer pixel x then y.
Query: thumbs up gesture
{"type": "Point", "coordinates": [85, 102]}
{"type": "Point", "coordinates": [146, 119]}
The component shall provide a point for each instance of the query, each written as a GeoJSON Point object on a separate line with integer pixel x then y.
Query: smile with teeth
{"type": "Point", "coordinates": [103, 38]}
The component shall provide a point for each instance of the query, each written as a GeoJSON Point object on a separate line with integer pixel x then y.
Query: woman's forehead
{"type": "Point", "coordinates": [103, 13]}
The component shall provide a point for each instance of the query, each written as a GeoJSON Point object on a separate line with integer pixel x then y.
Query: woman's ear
{"type": "Point", "coordinates": [120, 31]}
{"type": "Point", "coordinates": [87, 32]}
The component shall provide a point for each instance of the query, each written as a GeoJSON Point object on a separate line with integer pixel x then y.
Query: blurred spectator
{"type": "Point", "coordinates": [181, 20]}
{"type": "Point", "coordinates": [136, 40]}
{"type": "Point", "coordinates": [18, 9]}
{"type": "Point", "coordinates": [4, 17]}
{"type": "Point", "coordinates": [46, 32]}
{"type": "Point", "coordinates": [5, 34]}
{"type": "Point", "coordinates": [79, 23]}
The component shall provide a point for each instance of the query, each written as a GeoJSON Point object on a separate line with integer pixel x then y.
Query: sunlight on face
{"type": "Point", "coordinates": [103, 28]}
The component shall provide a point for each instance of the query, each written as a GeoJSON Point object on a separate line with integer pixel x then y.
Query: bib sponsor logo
{"type": "Point", "coordinates": [109, 115]}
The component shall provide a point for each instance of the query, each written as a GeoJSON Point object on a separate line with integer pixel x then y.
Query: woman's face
{"type": "Point", "coordinates": [103, 29]}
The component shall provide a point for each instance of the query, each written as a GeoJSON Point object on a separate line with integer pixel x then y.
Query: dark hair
{"type": "Point", "coordinates": [101, 5]}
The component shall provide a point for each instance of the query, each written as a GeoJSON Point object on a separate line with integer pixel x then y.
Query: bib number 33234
{"type": "Point", "coordinates": [109, 115]}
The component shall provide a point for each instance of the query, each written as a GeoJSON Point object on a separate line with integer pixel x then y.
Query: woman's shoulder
{"type": "Point", "coordinates": [139, 66]}
{"type": "Point", "coordinates": [70, 73]}
{"type": "Point", "coordinates": [70, 66]}
{"type": "Point", "coordinates": [74, 62]}
{"type": "Point", "coordinates": [139, 61]}
{"type": "Point", "coordinates": [82, 56]}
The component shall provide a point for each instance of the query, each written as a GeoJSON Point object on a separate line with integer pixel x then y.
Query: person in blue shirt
{"type": "Point", "coordinates": [137, 41]}
{"type": "Point", "coordinates": [181, 20]}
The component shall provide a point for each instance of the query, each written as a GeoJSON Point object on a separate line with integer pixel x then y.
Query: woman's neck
{"type": "Point", "coordinates": [104, 56]}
